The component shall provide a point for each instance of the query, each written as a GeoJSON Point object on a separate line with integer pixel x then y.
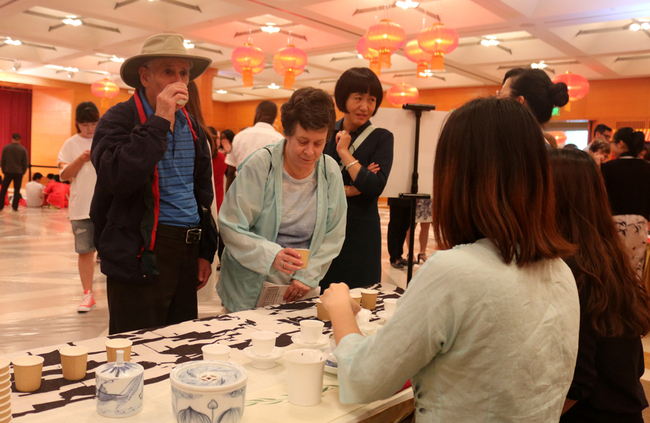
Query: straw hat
{"type": "Point", "coordinates": [161, 46]}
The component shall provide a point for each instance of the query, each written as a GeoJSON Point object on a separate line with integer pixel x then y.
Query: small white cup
{"type": "Point", "coordinates": [216, 352]}
{"type": "Point", "coordinates": [263, 343]}
{"type": "Point", "coordinates": [305, 376]}
{"type": "Point", "coordinates": [311, 330]}
{"type": "Point", "coordinates": [389, 306]}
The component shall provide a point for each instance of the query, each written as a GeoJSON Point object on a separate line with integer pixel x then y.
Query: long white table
{"type": "Point", "coordinates": [162, 349]}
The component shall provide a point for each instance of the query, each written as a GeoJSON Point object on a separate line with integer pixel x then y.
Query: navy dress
{"type": "Point", "coordinates": [359, 263]}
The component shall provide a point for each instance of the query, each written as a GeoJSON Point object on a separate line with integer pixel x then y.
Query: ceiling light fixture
{"type": "Point", "coordinates": [274, 87]}
{"type": "Point", "coordinates": [117, 59]}
{"type": "Point", "coordinates": [540, 65]}
{"type": "Point", "coordinates": [490, 41]}
{"type": "Point", "coordinates": [635, 27]}
{"type": "Point", "coordinates": [407, 4]}
{"type": "Point", "coordinates": [72, 20]}
{"type": "Point", "coordinates": [188, 44]}
{"type": "Point", "coordinates": [70, 75]}
{"type": "Point", "coordinates": [270, 29]}
{"type": "Point", "coordinates": [12, 42]}
{"type": "Point", "coordinates": [426, 73]}
{"type": "Point", "coordinates": [222, 92]}
{"type": "Point", "coordinates": [16, 65]}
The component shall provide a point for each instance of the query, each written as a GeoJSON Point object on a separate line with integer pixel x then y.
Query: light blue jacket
{"type": "Point", "coordinates": [249, 221]}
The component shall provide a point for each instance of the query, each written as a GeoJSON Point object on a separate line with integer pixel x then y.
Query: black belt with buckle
{"type": "Point", "coordinates": [189, 235]}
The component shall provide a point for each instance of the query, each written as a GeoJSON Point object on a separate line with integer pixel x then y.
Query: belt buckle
{"type": "Point", "coordinates": [193, 236]}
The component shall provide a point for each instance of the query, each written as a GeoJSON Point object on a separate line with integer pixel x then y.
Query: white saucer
{"type": "Point", "coordinates": [297, 339]}
{"type": "Point", "coordinates": [331, 364]}
{"type": "Point", "coordinates": [369, 329]}
{"type": "Point", "coordinates": [264, 362]}
{"type": "Point", "coordinates": [383, 316]}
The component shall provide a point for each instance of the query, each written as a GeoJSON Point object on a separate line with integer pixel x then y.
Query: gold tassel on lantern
{"type": "Point", "coordinates": [375, 66]}
{"type": "Point", "coordinates": [438, 62]}
{"type": "Point", "coordinates": [289, 79]}
{"type": "Point", "coordinates": [247, 75]}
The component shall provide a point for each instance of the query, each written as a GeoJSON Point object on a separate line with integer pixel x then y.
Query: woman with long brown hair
{"type": "Point", "coordinates": [614, 305]}
{"type": "Point", "coordinates": [487, 330]}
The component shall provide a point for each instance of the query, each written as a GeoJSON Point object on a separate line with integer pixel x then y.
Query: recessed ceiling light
{"type": "Point", "coordinates": [117, 59]}
{"type": "Point", "coordinates": [188, 44]}
{"type": "Point", "coordinates": [407, 4]}
{"type": "Point", "coordinates": [635, 27]}
{"type": "Point", "coordinates": [222, 92]}
{"type": "Point", "coordinates": [270, 29]}
{"type": "Point", "coordinates": [12, 42]}
{"type": "Point", "coordinates": [540, 65]}
{"type": "Point", "coordinates": [72, 20]}
{"type": "Point", "coordinates": [490, 41]}
{"type": "Point", "coordinates": [426, 73]}
{"type": "Point", "coordinates": [273, 86]}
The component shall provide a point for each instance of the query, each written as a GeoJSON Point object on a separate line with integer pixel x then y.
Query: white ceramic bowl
{"type": "Point", "coordinates": [212, 391]}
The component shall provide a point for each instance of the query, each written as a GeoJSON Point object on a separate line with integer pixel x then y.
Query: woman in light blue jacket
{"type": "Point", "coordinates": [287, 195]}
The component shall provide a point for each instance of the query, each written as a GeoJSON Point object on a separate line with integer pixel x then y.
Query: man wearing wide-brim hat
{"type": "Point", "coordinates": [151, 208]}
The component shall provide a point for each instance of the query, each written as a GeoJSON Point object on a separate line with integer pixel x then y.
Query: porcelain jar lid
{"type": "Point", "coordinates": [208, 376]}
{"type": "Point", "coordinates": [119, 369]}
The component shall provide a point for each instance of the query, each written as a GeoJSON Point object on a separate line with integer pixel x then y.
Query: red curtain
{"type": "Point", "coordinates": [16, 116]}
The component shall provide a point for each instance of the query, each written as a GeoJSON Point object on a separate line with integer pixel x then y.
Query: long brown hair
{"type": "Point", "coordinates": [617, 304]}
{"type": "Point", "coordinates": [492, 180]}
{"type": "Point", "coordinates": [193, 107]}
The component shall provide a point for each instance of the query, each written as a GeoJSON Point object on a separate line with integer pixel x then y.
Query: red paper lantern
{"type": "Point", "coordinates": [289, 62]}
{"type": "Point", "coordinates": [369, 54]}
{"type": "Point", "coordinates": [438, 41]}
{"type": "Point", "coordinates": [402, 94]}
{"type": "Point", "coordinates": [385, 37]}
{"type": "Point", "coordinates": [105, 89]}
{"type": "Point", "coordinates": [577, 84]}
{"type": "Point", "coordinates": [414, 53]}
{"type": "Point", "coordinates": [248, 61]}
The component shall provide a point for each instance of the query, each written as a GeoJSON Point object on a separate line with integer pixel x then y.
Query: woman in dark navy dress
{"type": "Point", "coordinates": [365, 155]}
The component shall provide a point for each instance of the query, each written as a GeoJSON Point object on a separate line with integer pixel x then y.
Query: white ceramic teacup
{"type": "Point", "coordinates": [389, 306]}
{"type": "Point", "coordinates": [216, 352]}
{"type": "Point", "coordinates": [305, 369]}
{"type": "Point", "coordinates": [263, 343]}
{"type": "Point", "coordinates": [311, 330]}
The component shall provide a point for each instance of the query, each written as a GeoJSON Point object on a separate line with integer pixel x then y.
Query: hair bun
{"type": "Point", "coordinates": [559, 94]}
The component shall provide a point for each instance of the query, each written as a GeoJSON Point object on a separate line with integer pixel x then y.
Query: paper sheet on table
{"type": "Point", "coordinates": [273, 294]}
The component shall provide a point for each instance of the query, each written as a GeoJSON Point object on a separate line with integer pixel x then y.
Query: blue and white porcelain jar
{"type": "Point", "coordinates": [208, 391]}
{"type": "Point", "coordinates": [119, 387]}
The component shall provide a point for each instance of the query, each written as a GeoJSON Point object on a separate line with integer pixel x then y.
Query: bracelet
{"type": "Point", "coordinates": [351, 164]}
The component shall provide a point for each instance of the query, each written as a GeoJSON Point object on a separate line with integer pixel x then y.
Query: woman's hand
{"type": "Point", "coordinates": [343, 140]}
{"type": "Point", "coordinates": [351, 191]}
{"type": "Point", "coordinates": [296, 291]}
{"type": "Point", "coordinates": [338, 296]}
{"type": "Point", "coordinates": [373, 167]}
{"type": "Point", "coordinates": [287, 261]}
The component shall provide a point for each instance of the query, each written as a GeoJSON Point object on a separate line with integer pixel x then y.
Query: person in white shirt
{"type": "Point", "coordinates": [252, 139]}
{"type": "Point", "coordinates": [34, 191]}
{"type": "Point", "coordinates": [487, 330]}
{"type": "Point", "coordinates": [75, 166]}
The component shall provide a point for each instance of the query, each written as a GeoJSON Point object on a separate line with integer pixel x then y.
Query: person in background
{"type": "Point", "coordinates": [534, 89]}
{"type": "Point", "coordinates": [74, 165]}
{"type": "Point", "coordinates": [227, 137]}
{"type": "Point", "coordinates": [261, 134]}
{"type": "Point", "coordinates": [487, 330]}
{"type": "Point", "coordinates": [57, 193]}
{"type": "Point", "coordinates": [643, 152]}
{"type": "Point", "coordinates": [34, 191]}
{"type": "Point", "coordinates": [365, 156]}
{"type": "Point", "coordinates": [151, 208]}
{"type": "Point", "coordinates": [627, 179]}
{"type": "Point", "coordinates": [219, 168]}
{"type": "Point", "coordinates": [599, 150]}
{"type": "Point", "coordinates": [14, 163]}
{"type": "Point", "coordinates": [615, 308]}
{"type": "Point", "coordinates": [602, 132]}
{"type": "Point", "coordinates": [287, 195]}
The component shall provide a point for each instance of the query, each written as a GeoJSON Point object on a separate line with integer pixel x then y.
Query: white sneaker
{"type": "Point", "coordinates": [87, 303]}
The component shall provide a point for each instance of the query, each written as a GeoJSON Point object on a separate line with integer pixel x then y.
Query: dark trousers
{"type": "Point", "coordinates": [398, 225]}
{"type": "Point", "coordinates": [18, 180]}
{"type": "Point", "coordinates": [167, 299]}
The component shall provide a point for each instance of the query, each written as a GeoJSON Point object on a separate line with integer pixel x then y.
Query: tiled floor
{"type": "Point", "coordinates": [40, 288]}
